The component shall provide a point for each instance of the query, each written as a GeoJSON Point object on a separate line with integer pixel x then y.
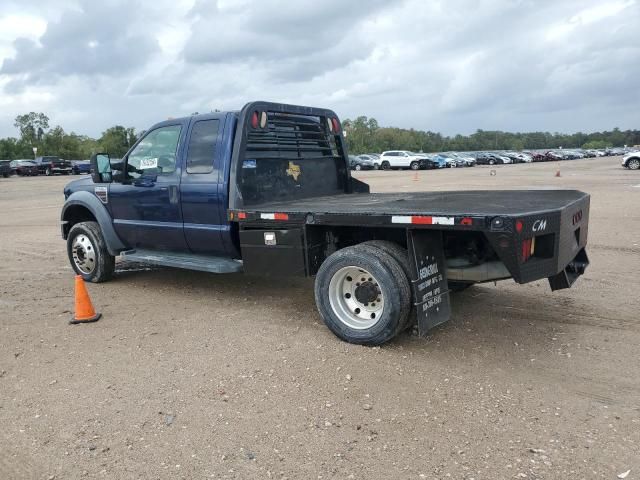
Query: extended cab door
{"type": "Point", "coordinates": [204, 194]}
{"type": "Point", "coordinates": [145, 196]}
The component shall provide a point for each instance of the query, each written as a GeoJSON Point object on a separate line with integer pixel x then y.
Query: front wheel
{"type": "Point", "coordinates": [633, 164]}
{"type": "Point", "coordinates": [363, 295]}
{"type": "Point", "coordinates": [88, 253]}
{"type": "Point", "coordinates": [358, 167]}
{"type": "Point", "coordinates": [414, 166]}
{"type": "Point", "coordinates": [492, 162]}
{"type": "Point", "coordinates": [385, 166]}
{"type": "Point", "coordinates": [48, 172]}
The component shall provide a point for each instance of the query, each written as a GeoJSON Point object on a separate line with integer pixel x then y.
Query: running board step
{"type": "Point", "coordinates": [189, 261]}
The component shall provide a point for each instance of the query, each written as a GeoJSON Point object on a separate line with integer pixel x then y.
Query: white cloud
{"type": "Point", "coordinates": [449, 66]}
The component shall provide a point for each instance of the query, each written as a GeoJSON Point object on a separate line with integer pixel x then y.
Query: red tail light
{"type": "Point", "coordinates": [254, 120]}
{"type": "Point", "coordinates": [336, 125]}
{"type": "Point", "coordinates": [519, 225]}
{"type": "Point", "coordinates": [528, 248]}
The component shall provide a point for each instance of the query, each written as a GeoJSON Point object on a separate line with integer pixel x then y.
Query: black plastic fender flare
{"type": "Point", "coordinates": [89, 201]}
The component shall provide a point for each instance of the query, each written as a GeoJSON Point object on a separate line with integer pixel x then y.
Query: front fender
{"type": "Point", "coordinates": [89, 201]}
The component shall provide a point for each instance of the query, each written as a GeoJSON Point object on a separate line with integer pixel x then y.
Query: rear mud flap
{"type": "Point", "coordinates": [429, 279]}
{"type": "Point", "coordinates": [571, 272]}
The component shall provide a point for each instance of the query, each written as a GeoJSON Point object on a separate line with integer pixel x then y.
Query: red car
{"type": "Point", "coordinates": [23, 168]}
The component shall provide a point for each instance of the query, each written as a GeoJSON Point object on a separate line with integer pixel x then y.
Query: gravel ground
{"type": "Point", "coordinates": [192, 375]}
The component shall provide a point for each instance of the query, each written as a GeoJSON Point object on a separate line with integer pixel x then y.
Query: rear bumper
{"type": "Point", "coordinates": [559, 250]}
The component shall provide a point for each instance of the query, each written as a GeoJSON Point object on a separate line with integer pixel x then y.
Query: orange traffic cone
{"type": "Point", "coordinates": [85, 312]}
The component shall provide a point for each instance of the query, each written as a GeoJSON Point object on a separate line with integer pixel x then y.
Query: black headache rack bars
{"type": "Point", "coordinates": [287, 152]}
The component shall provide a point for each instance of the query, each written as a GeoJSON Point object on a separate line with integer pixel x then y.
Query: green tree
{"type": "Point", "coordinates": [595, 144]}
{"type": "Point", "coordinates": [32, 126]}
{"type": "Point", "coordinates": [117, 140]}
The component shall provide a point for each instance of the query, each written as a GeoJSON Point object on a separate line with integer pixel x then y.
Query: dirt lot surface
{"type": "Point", "coordinates": [193, 375]}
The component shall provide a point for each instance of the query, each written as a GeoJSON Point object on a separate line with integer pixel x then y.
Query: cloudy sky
{"type": "Point", "coordinates": [451, 66]}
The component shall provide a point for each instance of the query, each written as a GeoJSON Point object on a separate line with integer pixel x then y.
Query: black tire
{"type": "Point", "coordinates": [358, 167]}
{"type": "Point", "coordinates": [385, 165]}
{"type": "Point", "coordinates": [492, 162]}
{"type": "Point", "coordinates": [633, 164]}
{"type": "Point", "coordinates": [5, 175]}
{"type": "Point", "coordinates": [400, 255]}
{"type": "Point", "coordinates": [392, 282]}
{"type": "Point", "coordinates": [104, 263]}
{"type": "Point", "coordinates": [48, 172]}
{"type": "Point", "coordinates": [414, 166]}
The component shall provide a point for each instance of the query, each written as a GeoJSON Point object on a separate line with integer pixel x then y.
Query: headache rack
{"type": "Point", "coordinates": [286, 152]}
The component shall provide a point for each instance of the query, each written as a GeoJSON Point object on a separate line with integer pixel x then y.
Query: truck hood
{"type": "Point", "coordinates": [85, 183]}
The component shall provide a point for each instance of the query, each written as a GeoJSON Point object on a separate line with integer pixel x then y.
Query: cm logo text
{"type": "Point", "coordinates": [539, 225]}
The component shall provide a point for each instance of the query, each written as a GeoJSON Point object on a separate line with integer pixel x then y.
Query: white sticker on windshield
{"type": "Point", "coordinates": [148, 163]}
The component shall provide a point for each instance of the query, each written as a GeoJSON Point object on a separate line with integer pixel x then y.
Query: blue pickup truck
{"type": "Point", "coordinates": [268, 190]}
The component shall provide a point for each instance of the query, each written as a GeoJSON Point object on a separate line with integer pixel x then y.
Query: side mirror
{"type": "Point", "coordinates": [100, 168]}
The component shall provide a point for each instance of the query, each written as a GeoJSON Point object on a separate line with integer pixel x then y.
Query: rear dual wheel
{"type": "Point", "coordinates": [363, 294]}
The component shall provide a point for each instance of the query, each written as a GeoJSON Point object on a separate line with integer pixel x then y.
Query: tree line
{"type": "Point", "coordinates": [364, 135]}
{"type": "Point", "coordinates": [34, 132]}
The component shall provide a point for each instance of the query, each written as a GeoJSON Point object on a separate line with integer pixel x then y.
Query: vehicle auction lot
{"type": "Point", "coordinates": [194, 375]}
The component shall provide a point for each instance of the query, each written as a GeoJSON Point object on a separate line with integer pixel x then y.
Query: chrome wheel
{"type": "Point", "coordinates": [356, 298]}
{"type": "Point", "coordinates": [84, 254]}
{"type": "Point", "coordinates": [634, 164]}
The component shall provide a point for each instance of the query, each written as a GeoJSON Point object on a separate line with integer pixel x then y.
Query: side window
{"type": "Point", "coordinates": [202, 146]}
{"type": "Point", "coordinates": [156, 153]}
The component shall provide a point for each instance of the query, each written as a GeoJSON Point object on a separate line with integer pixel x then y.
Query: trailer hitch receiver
{"type": "Point", "coordinates": [571, 272]}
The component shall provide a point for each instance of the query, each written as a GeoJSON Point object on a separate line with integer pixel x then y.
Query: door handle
{"type": "Point", "coordinates": [147, 182]}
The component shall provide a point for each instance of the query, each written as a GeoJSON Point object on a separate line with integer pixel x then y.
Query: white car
{"type": "Point", "coordinates": [401, 159]}
{"type": "Point", "coordinates": [631, 161]}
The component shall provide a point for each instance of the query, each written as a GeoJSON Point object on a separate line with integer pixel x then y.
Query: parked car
{"type": "Point", "coordinates": [442, 161]}
{"type": "Point", "coordinates": [631, 161]}
{"type": "Point", "coordinates": [5, 168]}
{"type": "Point", "coordinates": [357, 162]}
{"type": "Point", "coordinates": [524, 157]}
{"type": "Point", "coordinates": [505, 159]}
{"type": "Point", "coordinates": [397, 159]}
{"type": "Point", "coordinates": [375, 158]}
{"type": "Point", "coordinates": [80, 166]}
{"type": "Point", "coordinates": [570, 154]}
{"type": "Point", "coordinates": [467, 159]}
{"type": "Point", "coordinates": [552, 156]}
{"type": "Point", "coordinates": [487, 158]}
{"type": "Point", "coordinates": [50, 165]}
{"type": "Point", "coordinates": [453, 161]}
{"type": "Point", "coordinates": [24, 168]}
